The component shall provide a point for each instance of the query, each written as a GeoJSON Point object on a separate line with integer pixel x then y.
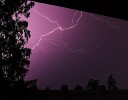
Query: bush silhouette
{"type": "Point", "coordinates": [92, 85]}
{"type": "Point", "coordinates": [78, 88]}
{"type": "Point", "coordinates": [31, 85]}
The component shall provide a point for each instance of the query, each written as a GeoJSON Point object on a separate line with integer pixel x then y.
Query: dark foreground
{"type": "Point", "coordinates": [71, 95]}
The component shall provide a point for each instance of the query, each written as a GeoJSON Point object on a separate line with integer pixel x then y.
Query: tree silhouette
{"type": "Point", "coordinates": [14, 56]}
{"type": "Point", "coordinates": [111, 83]}
{"type": "Point", "coordinates": [92, 85]}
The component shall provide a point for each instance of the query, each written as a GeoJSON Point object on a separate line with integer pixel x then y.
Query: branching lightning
{"type": "Point", "coordinates": [59, 27]}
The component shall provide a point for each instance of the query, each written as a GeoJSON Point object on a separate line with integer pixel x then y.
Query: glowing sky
{"type": "Point", "coordinates": [95, 47]}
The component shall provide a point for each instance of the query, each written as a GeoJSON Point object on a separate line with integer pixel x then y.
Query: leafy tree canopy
{"type": "Point", "coordinates": [14, 35]}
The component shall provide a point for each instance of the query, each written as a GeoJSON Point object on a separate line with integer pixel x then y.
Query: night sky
{"type": "Point", "coordinates": [83, 46]}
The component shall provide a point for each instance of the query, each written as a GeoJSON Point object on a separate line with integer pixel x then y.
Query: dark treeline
{"type": "Point", "coordinates": [93, 85]}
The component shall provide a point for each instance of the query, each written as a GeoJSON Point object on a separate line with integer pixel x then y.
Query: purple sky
{"type": "Point", "coordinates": [95, 47]}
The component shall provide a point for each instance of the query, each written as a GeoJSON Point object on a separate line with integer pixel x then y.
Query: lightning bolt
{"type": "Point", "coordinates": [59, 27]}
{"type": "Point", "coordinates": [105, 21]}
